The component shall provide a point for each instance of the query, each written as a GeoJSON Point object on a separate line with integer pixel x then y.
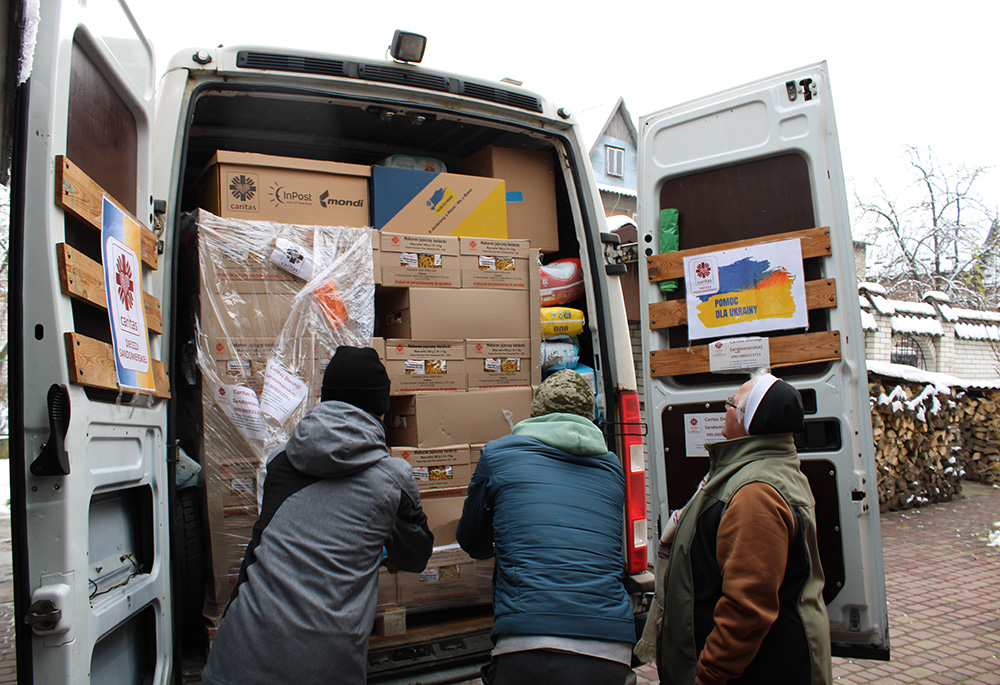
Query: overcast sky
{"type": "Point", "coordinates": [919, 73]}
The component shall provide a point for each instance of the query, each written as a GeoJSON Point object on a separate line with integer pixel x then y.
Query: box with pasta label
{"type": "Point", "coordinates": [416, 365]}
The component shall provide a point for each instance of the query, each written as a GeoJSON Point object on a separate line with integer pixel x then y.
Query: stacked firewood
{"type": "Point", "coordinates": [979, 424]}
{"type": "Point", "coordinates": [917, 443]}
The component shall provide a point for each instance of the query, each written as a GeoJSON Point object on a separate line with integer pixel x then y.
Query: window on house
{"type": "Point", "coordinates": [906, 350]}
{"type": "Point", "coordinates": [615, 161]}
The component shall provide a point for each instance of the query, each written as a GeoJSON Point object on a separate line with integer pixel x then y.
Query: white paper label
{"type": "Point", "coordinates": [293, 258]}
{"type": "Point", "coordinates": [414, 366]}
{"type": "Point", "coordinates": [738, 354]}
{"type": "Point", "coordinates": [487, 263]}
{"type": "Point", "coordinates": [242, 408]}
{"type": "Point", "coordinates": [283, 392]}
{"type": "Point", "coordinates": [700, 429]}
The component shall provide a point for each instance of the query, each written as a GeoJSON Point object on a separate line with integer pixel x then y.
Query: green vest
{"type": "Point", "coordinates": [770, 459]}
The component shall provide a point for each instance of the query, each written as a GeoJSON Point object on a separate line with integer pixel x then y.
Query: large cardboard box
{"type": "Point", "coordinates": [433, 313]}
{"type": "Point", "coordinates": [443, 509]}
{"type": "Point", "coordinates": [420, 260]}
{"type": "Point", "coordinates": [439, 419]}
{"type": "Point", "coordinates": [437, 467]}
{"type": "Point", "coordinates": [501, 363]}
{"type": "Point", "coordinates": [530, 186]}
{"type": "Point", "coordinates": [451, 578]}
{"type": "Point", "coordinates": [417, 365]}
{"type": "Point", "coordinates": [491, 263]}
{"type": "Point", "coordinates": [431, 203]}
{"type": "Point", "coordinates": [285, 189]}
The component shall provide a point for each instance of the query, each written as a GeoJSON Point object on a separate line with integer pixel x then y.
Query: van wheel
{"type": "Point", "coordinates": [189, 556]}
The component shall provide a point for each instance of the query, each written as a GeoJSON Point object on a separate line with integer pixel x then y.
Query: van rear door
{"type": "Point", "coordinates": [742, 168]}
{"type": "Point", "coordinates": [88, 458]}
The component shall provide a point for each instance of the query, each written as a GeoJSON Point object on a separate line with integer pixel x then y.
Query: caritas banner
{"type": "Point", "coordinates": [746, 290]}
{"type": "Point", "coordinates": [120, 238]}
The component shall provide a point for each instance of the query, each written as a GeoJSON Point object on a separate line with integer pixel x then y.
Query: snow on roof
{"type": "Point", "coordinates": [616, 221]}
{"type": "Point", "coordinates": [616, 189]}
{"type": "Point", "coordinates": [976, 314]}
{"type": "Point", "coordinates": [864, 302]}
{"type": "Point", "coordinates": [937, 295]}
{"type": "Point", "coordinates": [883, 305]}
{"type": "Point", "coordinates": [868, 321]}
{"type": "Point", "coordinates": [917, 325]}
{"type": "Point", "coordinates": [915, 375]}
{"type": "Point", "coordinates": [948, 312]}
{"type": "Point", "coordinates": [921, 308]}
{"type": "Point", "coordinates": [875, 288]}
{"type": "Point", "coordinates": [977, 331]}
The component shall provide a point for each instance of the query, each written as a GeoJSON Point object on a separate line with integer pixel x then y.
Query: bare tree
{"type": "Point", "coordinates": [944, 238]}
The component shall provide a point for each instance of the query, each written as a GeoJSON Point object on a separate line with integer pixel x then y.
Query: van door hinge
{"type": "Point", "coordinates": [617, 256]}
{"type": "Point", "coordinates": [43, 616]}
{"type": "Point", "coordinates": [54, 459]}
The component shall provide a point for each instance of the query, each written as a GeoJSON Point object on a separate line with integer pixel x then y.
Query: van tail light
{"type": "Point", "coordinates": [634, 463]}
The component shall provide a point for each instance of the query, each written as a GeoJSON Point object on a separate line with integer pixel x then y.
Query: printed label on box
{"type": "Point", "coordinates": [283, 392]}
{"type": "Point", "coordinates": [293, 258]}
{"type": "Point", "coordinates": [243, 410]}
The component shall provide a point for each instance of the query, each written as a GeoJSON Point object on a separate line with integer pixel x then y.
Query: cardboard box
{"type": "Point", "coordinates": [417, 365]}
{"type": "Point", "coordinates": [475, 454]}
{"type": "Point", "coordinates": [491, 263]}
{"type": "Point", "coordinates": [433, 313]}
{"type": "Point", "coordinates": [386, 588]}
{"type": "Point", "coordinates": [438, 419]}
{"type": "Point", "coordinates": [501, 363]}
{"type": "Point", "coordinates": [437, 467]}
{"type": "Point", "coordinates": [443, 511]}
{"type": "Point", "coordinates": [451, 578]}
{"type": "Point", "coordinates": [431, 203]}
{"type": "Point", "coordinates": [420, 260]}
{"type": "Point", "coordinates": [285, 189]}
{"type": "Point", "coordinates": [238, 484]}
{"type": "Point", "coordinates": [530, 187]}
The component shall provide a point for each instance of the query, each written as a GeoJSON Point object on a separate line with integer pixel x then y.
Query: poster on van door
{"type": "Point", "coordinates": [746, 290]}
{"type": "Point", "coordinates": [120, 239]}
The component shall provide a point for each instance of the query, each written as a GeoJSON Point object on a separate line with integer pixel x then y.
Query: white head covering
{"type": "Point", "coordinates": [757, 392]}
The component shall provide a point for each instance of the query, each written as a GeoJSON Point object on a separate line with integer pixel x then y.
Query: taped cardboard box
{"type": "Point", "coordinates": [530, 191]}
{"type": "Point", "coordinates": [437, 467]}
{"type": "Point", "coordinates": [439, 419]}
{"type": "Point", "coordinates": [289, 190]}
{"type": "Point", "coordinates": [419, 365]}
{"type": "Point", "coordinates": [443, 509]}
{"type": "Point", "coordinates": [451, 578]}
{"type": "Point", "coordinates": [501, 363]}
{"type": "Point", "coordinates": [431, 203]}
{"type": "Point", "coordinates": [491, 263]}
{"type": "Point", "coordinates": [420, 260]}
{"type": "Point", "coordinates": [434, 313]}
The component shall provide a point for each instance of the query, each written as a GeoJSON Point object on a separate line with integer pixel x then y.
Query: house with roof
{"type": "Point", "coordinates": [614, 154]}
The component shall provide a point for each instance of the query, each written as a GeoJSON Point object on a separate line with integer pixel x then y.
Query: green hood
{"type": "Point", "coordinates": [568, 432]}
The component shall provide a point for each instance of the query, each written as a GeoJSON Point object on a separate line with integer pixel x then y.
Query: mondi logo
{"type": "Point", "coordinates": [441, 200]}
{"type": "Point", "coordinates": [243, 192]}
{"type": "Point", "coordinates": [326, 201]}
{"type": "Point", "coordinates": [283, 195]}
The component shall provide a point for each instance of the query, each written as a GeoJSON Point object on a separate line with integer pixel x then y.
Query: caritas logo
{"type": "Point", "coordinates": [718, 345]}
{"type": "Point", "coordinates": [694, 423]}
{"type": "Point", "coordinates": [126, 285]}
{"type": "Point", "coordinates": [479, 347]}
{"type": "Point", "coordinates": [222, 392]}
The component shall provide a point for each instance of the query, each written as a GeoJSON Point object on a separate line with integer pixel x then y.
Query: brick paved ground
{"type": "Point", "coordinates": [942, 580]}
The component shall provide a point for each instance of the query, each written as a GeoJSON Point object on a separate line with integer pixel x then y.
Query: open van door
{"type": "Point", "coordinates": [755, 166]}
{"type": "Point", "coordinates": [88, 453]}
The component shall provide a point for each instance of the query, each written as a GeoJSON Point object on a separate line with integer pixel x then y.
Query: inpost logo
{"type": "Point", "coordinates": [283, 195]}
{"type": "Point", "coordinates": [441, 199]}
{"type": "Point", "coordinates": [243, 192]}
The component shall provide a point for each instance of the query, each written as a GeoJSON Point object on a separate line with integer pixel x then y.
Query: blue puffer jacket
{"type": "Point", "coordinates": [548, 501]}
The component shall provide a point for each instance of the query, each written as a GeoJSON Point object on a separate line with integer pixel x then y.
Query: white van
{"type": "Point", "coordinates": [109, 565]}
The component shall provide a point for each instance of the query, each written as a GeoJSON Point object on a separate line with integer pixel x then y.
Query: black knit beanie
{"type": "Point", "coordinates": [356, 376]}
{"type": "Point", "coordinates": [778, 410]}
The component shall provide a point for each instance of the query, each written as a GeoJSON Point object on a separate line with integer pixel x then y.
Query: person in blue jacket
{"type": "Point", "coordinates": [547, 501]}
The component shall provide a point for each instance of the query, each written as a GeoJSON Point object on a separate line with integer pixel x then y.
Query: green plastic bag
{"type": "Point", "coordinates": [669, 242]}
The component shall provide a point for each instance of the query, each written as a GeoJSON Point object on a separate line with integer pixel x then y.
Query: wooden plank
{"type": "Point", "coordinates": [83, 279]}
{"type": "Point", "coordinates": [805, 348]}
{"type": "Point", "coordinates": [80, 196]}
{"type": "Point", "coordinates": [815, 243]}
{"type": "Point", "coordinates": [92, 363]}
{"type": "Point", "coordinates": [819, 295]}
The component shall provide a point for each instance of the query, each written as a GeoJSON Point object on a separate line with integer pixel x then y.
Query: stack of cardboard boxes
{"type": "Point", "coordinates": [456, 323]}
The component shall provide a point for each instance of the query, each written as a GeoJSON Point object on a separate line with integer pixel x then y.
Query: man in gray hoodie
{"type": "Point", "coordinates": [304, 605]}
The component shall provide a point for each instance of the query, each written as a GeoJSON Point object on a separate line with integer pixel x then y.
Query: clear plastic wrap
{"type": "Point", "coordinates": [276, 300]}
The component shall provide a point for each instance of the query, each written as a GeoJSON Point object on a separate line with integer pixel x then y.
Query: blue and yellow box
{"type": "Point", "coordinates": [429, 203]}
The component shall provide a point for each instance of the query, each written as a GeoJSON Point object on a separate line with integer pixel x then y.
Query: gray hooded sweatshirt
{"type": "Point", "coordinates": [304, 605]}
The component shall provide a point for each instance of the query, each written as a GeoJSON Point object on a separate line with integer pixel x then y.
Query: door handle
{"type": "Point", "coordinates": [54, 459]}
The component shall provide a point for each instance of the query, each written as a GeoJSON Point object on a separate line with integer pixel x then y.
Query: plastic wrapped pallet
{"type": "Point", "coordinates": [276, 300]}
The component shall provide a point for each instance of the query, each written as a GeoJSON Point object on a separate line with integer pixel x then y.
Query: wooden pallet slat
{"type": "Point", "coordinates": [80, 196]}
{"type": "Point", "coordinates": [83, 279]}
{"type": "Point", "coordinates": [804, 348]}
{"type": "Point", "coordinates": [815, 243]}
{"type": "Point", "coordinates": [819, 295]}
{"type": "Point", "coordinates": [92, 363]}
